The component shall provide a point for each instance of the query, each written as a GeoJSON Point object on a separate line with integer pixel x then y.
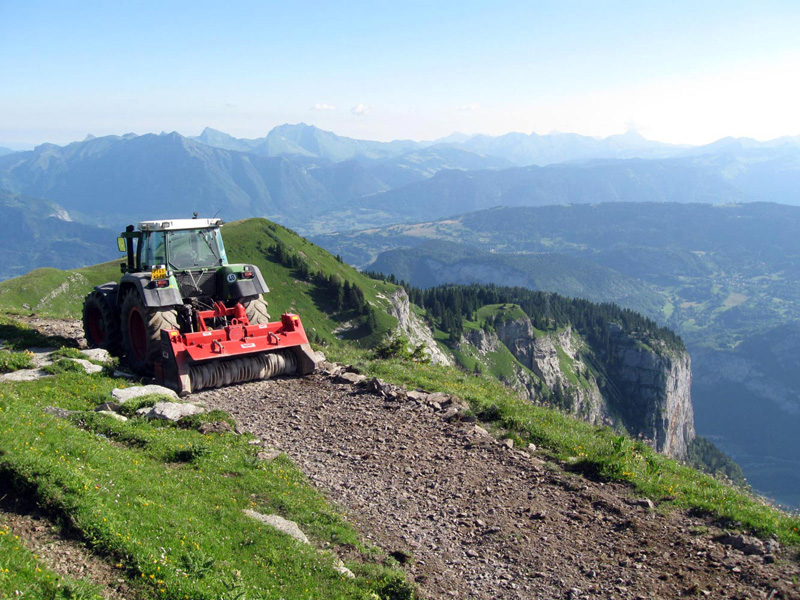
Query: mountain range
{"type": "Point", "coordinates": [316, 181]}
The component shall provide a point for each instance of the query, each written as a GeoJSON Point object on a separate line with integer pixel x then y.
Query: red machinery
{"type": "Point", "coordinates": [234, 353]}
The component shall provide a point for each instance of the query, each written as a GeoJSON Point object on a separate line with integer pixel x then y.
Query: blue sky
{"type": "Point", "coordinates": [684, 72]}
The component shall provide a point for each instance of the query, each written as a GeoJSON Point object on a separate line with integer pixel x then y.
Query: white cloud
{"type": "Point", "coordinates": [470, 106]}
{"type": "Point", "coordinates": [360, 109]}
{"type": "Point", "coordinates": [323, 106]}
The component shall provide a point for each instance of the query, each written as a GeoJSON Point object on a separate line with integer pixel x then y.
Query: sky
{"type": "Point", "coordinates": [678, 72]}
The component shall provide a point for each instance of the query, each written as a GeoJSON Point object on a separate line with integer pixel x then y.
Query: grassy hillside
{"type": "Point", "coordinates": [186, 537]}
{"type": "Point", "coordinates": [251, 240]}
{"type": "Point", "coordinates": [60, 294]}
{"type": "Point", "coordinates": [52, 292]}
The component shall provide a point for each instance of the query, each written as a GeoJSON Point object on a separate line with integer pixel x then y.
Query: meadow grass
{"type": "Point", "coordinates": [164, 503]}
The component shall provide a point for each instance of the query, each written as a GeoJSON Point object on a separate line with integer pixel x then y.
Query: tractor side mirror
{"type": "Point", "coordinates": [121, 244]}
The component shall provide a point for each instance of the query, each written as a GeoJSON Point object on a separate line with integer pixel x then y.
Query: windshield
{"type": "Point", "coordinates": [190, 248]}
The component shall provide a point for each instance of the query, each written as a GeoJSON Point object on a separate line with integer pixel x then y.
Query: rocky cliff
{"type": "Point", "coordinates": [653, 385]}
{"type": "Point", "coordinates": [644, 387]}
{"type": "Point", "coordinates": [414, 328]}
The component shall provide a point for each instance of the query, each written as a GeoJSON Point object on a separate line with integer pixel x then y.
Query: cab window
{"type": "Point", "coordinates": [155, 251]}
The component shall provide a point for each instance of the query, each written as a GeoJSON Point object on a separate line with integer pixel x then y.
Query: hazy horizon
{"type": "Point", "coordinates": [255, 135]}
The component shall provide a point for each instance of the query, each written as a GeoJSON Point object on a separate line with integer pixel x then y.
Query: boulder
{"type": "Point", "coordinates": [351, 378]}
{"type": "Point", "coordinates": [88, 367]}
{"type": "Point", "coordinates": [97, 354]}
{"type": "Point", "coordinates": [123, 395]}
{"type": "Point", "coordinates": [24, 375]}
{"type": "Point", "coordinates": [169, 411]}
{"type": "Point", "coordinates": [285, 525]}
{"type": "Point", "coordinates": [112, 414]}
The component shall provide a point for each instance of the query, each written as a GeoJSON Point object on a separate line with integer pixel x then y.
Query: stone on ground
{"type": "Point", "coordinates": [285, 525]}
{"type": "Point", "coordinates": [169, 411]}
{"type": "Point", "coordinates": [123, 395]}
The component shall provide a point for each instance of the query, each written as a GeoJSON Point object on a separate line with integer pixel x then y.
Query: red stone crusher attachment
{"type": "Point", "coordinates": [183, 314]}
{"type": "Point", "coordinates": [235, 353]}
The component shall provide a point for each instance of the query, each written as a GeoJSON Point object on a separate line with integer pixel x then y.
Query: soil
{"type": "Point", "coordinates": [469, 517]}
{"type": "Point", "coordinates": [60, 551]}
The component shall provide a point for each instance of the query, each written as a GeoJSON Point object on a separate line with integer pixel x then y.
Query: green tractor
{"type": "Point", "coordinates": [181, 313]}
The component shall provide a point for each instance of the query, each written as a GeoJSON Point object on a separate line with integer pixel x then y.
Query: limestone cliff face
{"type": "Point", "coordinates": [414, 328]}
{"type": "Point", "coordinates": [655, 388]}
{"type": "Point", "coordinates": [647, 389]}
{"type": "Point", "coordinates": [555, 359]}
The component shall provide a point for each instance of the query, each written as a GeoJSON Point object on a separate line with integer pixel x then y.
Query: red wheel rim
{"type": "Point", "coordinates": [94, 321]}
{"type": "Point", "coordinates": [138, 334]}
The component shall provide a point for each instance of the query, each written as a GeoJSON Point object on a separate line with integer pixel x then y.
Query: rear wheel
{"type": "Point", "coordinates": [256, 310]}
{"type": "Point", "coordinates": [141, 331]}
{"type": "Point", "coordinates": [101, 323]}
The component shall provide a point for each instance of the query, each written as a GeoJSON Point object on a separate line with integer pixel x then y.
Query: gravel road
{"type": "Point", "coordinates": [472, 518]}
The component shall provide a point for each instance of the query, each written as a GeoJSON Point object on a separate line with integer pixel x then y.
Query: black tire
{"type": "Point", "coordinates": [256, 310]}
{"type": "Point", "coordinates": [101, 323]}
{"type": "Point", "coordinates": [141, 331]}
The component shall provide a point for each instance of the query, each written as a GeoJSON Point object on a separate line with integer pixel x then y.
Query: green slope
{"type": "Point", "coordinates": [55, 293]}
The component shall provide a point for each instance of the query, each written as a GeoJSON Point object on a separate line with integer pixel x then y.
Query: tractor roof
{"type": "Point", "coordinates": [171, 224]}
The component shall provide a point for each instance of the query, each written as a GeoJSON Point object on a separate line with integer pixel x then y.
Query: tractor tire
{"type": "Point", "coordinates": [141, 331]}
{"type": "Point", "coordinates": [256, 310]}
{"type": "Point", "coordinates": [101, 323]}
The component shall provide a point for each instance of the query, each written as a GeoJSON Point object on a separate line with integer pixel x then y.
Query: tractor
{"type": "Point", "coordinates": [182, 314]}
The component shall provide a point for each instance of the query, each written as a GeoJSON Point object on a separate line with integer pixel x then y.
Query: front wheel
{"type": "Point", "coordinates": [141, 331]}
{"type": "Point", "coordinates": [256, 310]}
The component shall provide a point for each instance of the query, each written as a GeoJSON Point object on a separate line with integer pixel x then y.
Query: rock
{"type": "Point", "coordinates": [215, 427]}
{"type": "Point", "coordinates": [88, 367]}
{"type": "Point", "coordinates": [645, 503]}
{"type": "Point", "coordinates": [109, 407]}
{"type": "Point", "coordinates": [440, 398]}
{"type": "Point", "coordinates": [329, 369]}
{"type": "Point", "coordinates": [339, 567]}
{"type": "Point", "coordinates": [61, 413]}
{"type": "Point", "coordinates": [508, 443]}
{"type": "Point", "coordinates": [451, 413]}
{"type": "Point", "coordinates": [532, 447]}
{"type": "Point", "coordinates": [41, 356]}
{"type": "Point", "coordinates": [24, 375]}
{"type": "Point", "coordinates": [351, 378]}
{"type": "Point", "coordinates": [123, 395]}
{"type": "Point", "coordinates": [286, 526]}
{"type": "Point", "coordinates": [320, 356]}
{"type": "Point", "coordinates": [417, 395]}
{"type": "Point", "coordinates": [478, 430]}
{"type": "Point", "coordinates": [414, 328]}
{"type": "Point", "coordinates": [269, 454]}
{"type": "Point", "coordinates": [748, 545]}
{"type": "Point", "coordinates": [112, 414]}
{"type": "Point", "coordinates": [97, 354]}
{"type": "Point", "coordinates": [170, 411]}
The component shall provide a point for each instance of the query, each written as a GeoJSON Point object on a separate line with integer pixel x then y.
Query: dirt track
{"type": "Point", "coordinates": [475, 519]}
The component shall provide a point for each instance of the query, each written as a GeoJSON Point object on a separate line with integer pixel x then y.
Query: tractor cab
{"type": "Point", "coordinates": [178, 245]}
